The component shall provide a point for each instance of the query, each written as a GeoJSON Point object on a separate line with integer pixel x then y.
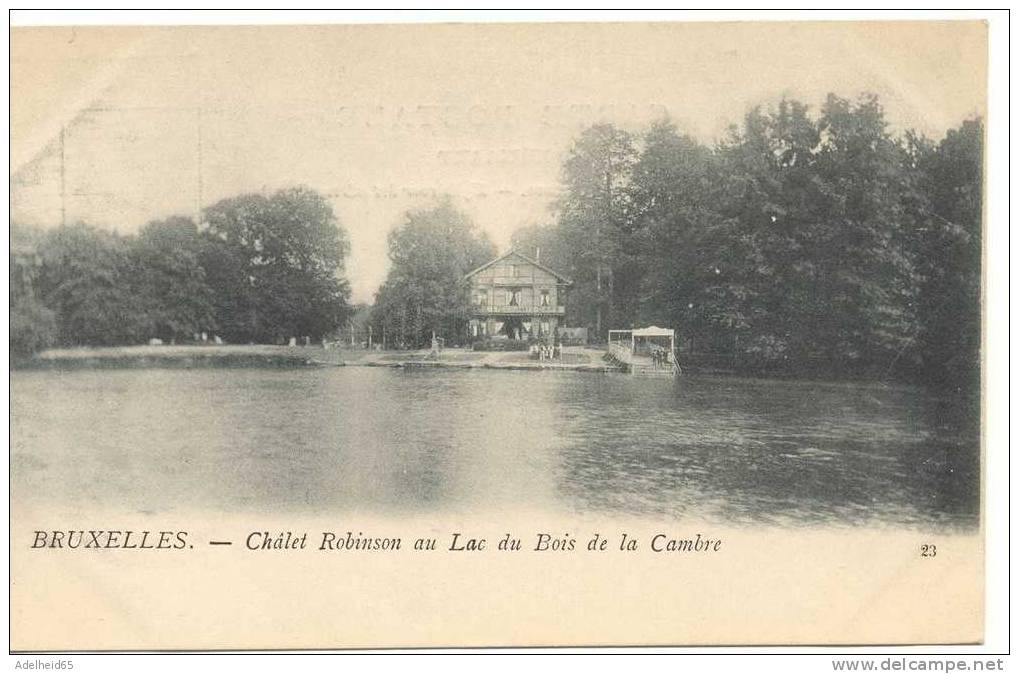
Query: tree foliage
{"type": "Point", "coordinates": [88, 277]}
{"type": "Point", "coordinates": [278, 265]}
{"type": "Point", "coordinates": [178, 301]}
{"type": "Point", "coordinates": [948, 207]}
{"type": "Point", "coordinates": [594, 217]}
{"type": "Point", "coordinates": [801, 241]}
{"type": "Point", "coordinates": [430, 252]}
{"type": "Point", "coordinates": [259, 269]}
{"type": "Point", "coordinates": [33, 327]}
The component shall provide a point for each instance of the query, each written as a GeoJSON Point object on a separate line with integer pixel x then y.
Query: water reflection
{"type": "Point", "coordinates": [752, 450]}
{"type": "Point", "coordinates": [373, 439]}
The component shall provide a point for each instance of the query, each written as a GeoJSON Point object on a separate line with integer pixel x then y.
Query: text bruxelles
{"type": "Point", "coordinates": [111, 539]}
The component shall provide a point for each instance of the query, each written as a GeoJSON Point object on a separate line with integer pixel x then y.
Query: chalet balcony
{"type": "Point", "coordinates": [517, 310]}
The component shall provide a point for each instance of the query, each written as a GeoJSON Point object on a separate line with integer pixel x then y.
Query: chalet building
{"type": "Point", "coordinates": [515, 297]}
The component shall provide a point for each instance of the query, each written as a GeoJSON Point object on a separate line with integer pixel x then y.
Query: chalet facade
{"type": "Point", "coordinates": [515, 297]}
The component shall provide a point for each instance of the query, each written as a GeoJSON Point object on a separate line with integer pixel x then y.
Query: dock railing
{"type": "Point", "coordinates": [621, 352]}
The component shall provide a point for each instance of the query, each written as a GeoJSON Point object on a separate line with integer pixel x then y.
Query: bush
{"type": "Point", "coordinates": [33, 328]}
{"type": "Point", "coordinates": [500, 345]}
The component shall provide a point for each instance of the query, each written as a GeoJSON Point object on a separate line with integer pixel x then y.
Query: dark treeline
{"type": "Point", "coordinates": [800, 243]}
{"type": "Point", "coordinates": [258, 269]}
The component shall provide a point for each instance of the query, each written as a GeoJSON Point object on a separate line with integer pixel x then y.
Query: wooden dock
{"type": "Point", "coordinates": [621, 355]}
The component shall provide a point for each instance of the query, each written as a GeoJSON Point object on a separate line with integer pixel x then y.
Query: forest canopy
{"type": "Point", "coordinates": [259, 268]}
{"type": "Point", "coordinates": [800, 242]}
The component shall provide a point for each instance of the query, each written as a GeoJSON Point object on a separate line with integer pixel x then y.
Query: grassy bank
{"type": "Point", "coordinates": [253, 355]}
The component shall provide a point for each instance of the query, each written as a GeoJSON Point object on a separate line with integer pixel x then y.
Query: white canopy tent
{"type": "Point", "coordinates": [654, 331]}
{"type": "Point", "coordinates": [646, 339]}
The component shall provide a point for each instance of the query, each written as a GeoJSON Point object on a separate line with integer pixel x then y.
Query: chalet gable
{"type": "Point", "coordinates": [515, 258]}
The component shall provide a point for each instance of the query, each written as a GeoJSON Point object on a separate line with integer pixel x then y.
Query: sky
{"type": "Point", "coordinates": [381, 119]}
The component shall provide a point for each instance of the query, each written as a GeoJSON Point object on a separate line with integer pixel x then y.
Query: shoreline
{"type": "Point", "coordinates": [263, 355]}
{"type": "Point", "coordinates": [562, 367]}
{"type": "Point", "coordinates": [240, 356]}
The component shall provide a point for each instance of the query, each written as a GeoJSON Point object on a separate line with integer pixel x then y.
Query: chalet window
{"type": "Point", "coordinates": [545, 299]}
{"type": "Point", "coordinates": [481, 298]}
{"type": "Point", "coordinates": [514, 297]}
{"type": "Point", "coordinates": [513, 270]}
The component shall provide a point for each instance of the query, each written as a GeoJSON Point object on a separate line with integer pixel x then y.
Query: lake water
{"type": "Point", "coordinates": [384, 440]}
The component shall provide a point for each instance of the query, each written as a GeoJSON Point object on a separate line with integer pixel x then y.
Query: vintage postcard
{"type": "Point", "coordinates": [523, 334]}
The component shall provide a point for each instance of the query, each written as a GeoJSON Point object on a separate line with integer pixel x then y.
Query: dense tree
{"type": "Point", "coordinates": [679, 235]}
{"type": "Point", "coordinates": [949, 207]}
{"type": "Point", "coordinates": [171, 279]}
{"type": "Point", "coordinates": [33, 326]}
{"type": "Point", "coordinates": [869, 281]}
{"type": "Point", "coordinates": [769, 208]}
{"type": "Point", "coordinates": [594, 214]}
{"type": "Point", "coordinates": [800, 242]}
{"type": "Point", "coordinates": [276, 265]}
{"type": "Point", "coordinates": [88, 278]}
{"type": "Point", "coordinates": [24, 259]}
{"type": "Point", "coordinates": [232, 288]}
{"type": "Point", "coordinates": [821, 265]}
{"type": "Point", "coordinates": [260, 269]}
{"type": "Point", "coordinates": [430, 252]}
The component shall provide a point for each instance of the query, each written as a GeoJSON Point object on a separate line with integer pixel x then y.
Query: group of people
{"type": "Point", "coordinates": [660, 356]}
{"type": "Point", "coordinates": [546, 351]}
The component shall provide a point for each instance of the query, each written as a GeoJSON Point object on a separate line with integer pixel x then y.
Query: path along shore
{"type": "Point", "coordinates": [264, 355]}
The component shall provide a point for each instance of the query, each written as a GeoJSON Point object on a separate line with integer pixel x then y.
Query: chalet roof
{"type": "Point", "coordinates": [516, 253]}
{"type": "Point", "coordinates": [650, 331]}
{"type": "Point", "coordinates": [653, 331]}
